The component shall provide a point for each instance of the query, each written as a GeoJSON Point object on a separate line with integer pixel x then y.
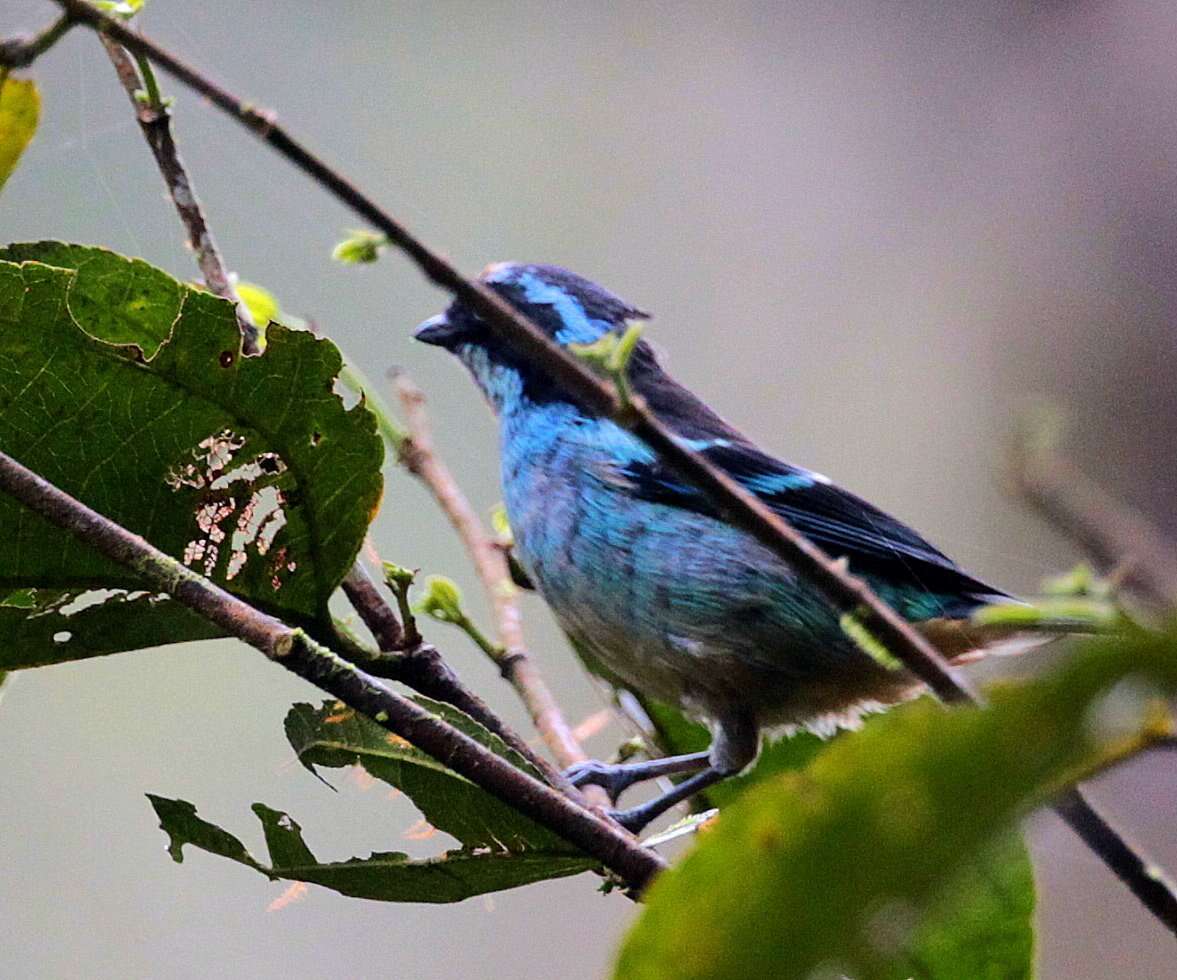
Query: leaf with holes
{"type": "Point", "coordinates": [127, 389]}
{"type": "Point", "coordinates": [334, 736]}
{"type": "Point", "coordinates": [851, 866]}
{"type": "Point", "coordinates": [384, 877]}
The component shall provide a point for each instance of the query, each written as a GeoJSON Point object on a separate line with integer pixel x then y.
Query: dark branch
{"type": "Point", "coordinates": [1145, 881]}
{"type": "Point", "coordinates": [20, 52]}
{"type": "Point", "coordinates": [844, 592]}
{"type": "Point", "coordinates": [422, 668]}
{"type": "Point", "coordinates": [297, 652]}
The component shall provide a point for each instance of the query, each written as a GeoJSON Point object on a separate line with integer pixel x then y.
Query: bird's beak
{"type": "Point", "coordinates": [437, 330]}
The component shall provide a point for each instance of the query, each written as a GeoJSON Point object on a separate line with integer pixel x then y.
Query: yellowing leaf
{"type": "Point", "coordinates": [261, 303]}
{"type": "Point", "coordinates": [20, 108]}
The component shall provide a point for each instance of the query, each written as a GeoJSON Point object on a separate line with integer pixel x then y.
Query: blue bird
{"type": "Point", "coordinates": [646, 578]}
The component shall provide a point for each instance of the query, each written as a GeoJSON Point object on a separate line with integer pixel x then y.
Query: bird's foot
{"type": "Point", "coordinates": [614, 779]}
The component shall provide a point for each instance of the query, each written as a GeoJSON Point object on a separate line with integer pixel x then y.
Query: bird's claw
{"type": "Point", "coordinates": [613, 779]}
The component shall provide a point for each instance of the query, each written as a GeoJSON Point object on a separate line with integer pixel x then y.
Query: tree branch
{"type": "Point", "coordinates": [1105, 528]}
{"type": "Point", "coordinates": [422, 668]}
{"type": "Point", "coordinates": [20, 52]}
{"type": "Point", "coordinates": [298, 653]}
{"type": "Point", "coordinates": [842, 590]}
{"type": "Point", "coordinates": [420, 458]}
{"type": "Point", "coordinates": [155, 119]}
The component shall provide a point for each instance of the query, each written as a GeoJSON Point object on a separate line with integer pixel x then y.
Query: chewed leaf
{"type": "Point", "coordinates": [58, 626]}
{"type": "Point", "coordinates": [111, 297]}
{"type": "Point", "coordinates": [383, 876]}
{"type": "Point", "coordinates": [335, 736]}
{"type": "Point", "coordinates": [128, 390]}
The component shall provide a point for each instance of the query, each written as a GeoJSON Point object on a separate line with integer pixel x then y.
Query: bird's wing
{"type": "Point", "coordinates": [835, 519]}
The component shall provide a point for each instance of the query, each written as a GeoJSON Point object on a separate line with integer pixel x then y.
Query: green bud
{"type": "Point", "coordinates": [119, 8]}
{"type": "Point", "coordinates": [1079, 581]}
{"type": "Point", "coordinates": [501, 526]}
{"type": "Point", "coordinates": [866, 641]}
{"type": "Point", "coordinates": [359, 248]}
{"type": "Point", "coordinates": [398, 575]}
{"type": "Point", "coordinates": [609, 355]}
{"type": "Point", "coordinates": [623, 349]}
{"type": "Point", "coordinates": [442, 600]}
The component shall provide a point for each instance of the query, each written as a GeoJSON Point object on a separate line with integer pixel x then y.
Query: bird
{"type": "Point", "coordinates": [648, 580]}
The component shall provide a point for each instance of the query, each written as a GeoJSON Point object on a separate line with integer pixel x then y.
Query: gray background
{"type": "Point", "coordinates": [870, 235]}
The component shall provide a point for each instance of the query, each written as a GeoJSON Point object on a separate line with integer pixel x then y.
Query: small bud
{"type": "Point", "coordinates": [119, 8]}
{"type": "Point", "coordinates": [398, 575]}
{"type": "Point", "coordinates": [359, 248]}
{"type": "Point", "coordinates": [1079, 581]}
{"type": "Point", "coordinates": [442, 600]}
{"type": "Point", "coordinates": [501, 526]}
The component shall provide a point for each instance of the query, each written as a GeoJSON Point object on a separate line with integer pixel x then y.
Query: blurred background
{"type": "Point", "coordinates": [871, 234]}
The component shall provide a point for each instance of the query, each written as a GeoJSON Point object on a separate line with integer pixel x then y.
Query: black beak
{"type": "Point", "coordinates": [437, 330]}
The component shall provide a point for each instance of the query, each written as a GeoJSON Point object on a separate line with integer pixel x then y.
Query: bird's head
{"type": "Point", "coordinates": [567, 307]}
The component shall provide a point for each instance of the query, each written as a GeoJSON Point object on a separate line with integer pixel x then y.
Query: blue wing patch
{"type": "Point", "coordinates": [835, 519]}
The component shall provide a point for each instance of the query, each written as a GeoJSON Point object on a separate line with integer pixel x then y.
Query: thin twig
{"type": "Point", "coordinates": [20, 52]}
{"type": "Point", "coordinates": [155, 119]}
{"type": "Point", "coordinates": [297, 652]}
{"type": "Point", "coordinates": [844, 592]}
{"type": "Point", "coordinates": [421, 459]}
{"type": "Point", "coordinates": [1107, 529]}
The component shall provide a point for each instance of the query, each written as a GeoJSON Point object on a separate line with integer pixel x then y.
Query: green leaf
{"type": "Point", "coordinates": [442, 600]}
{"type": "Point", "coordinates": [128, 390]}
{"type": "Point", "coordinates": [825, 872]}
{"type": "Point", "coordinates": [20, 108]}
{"type": "Point", "coordinates": [65, 625]}
{"type": "Point", "coordinates": [386, 877]}
{"type": "Point", "coordinates": [335, 736]}
{"type": "Point", "coordinates": [110, 297]}
{"type": "Point", "coordinates": [983, 929]}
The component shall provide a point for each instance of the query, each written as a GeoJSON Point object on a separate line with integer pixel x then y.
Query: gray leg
{"type": "Point", "coordinates": [736, 740]}
{"type": "Point", "coordinates": [619, 777]}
